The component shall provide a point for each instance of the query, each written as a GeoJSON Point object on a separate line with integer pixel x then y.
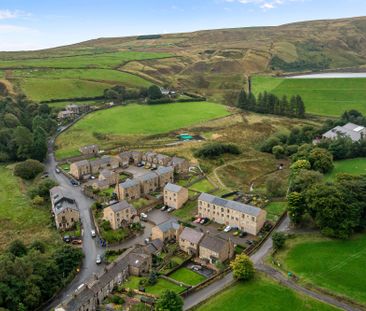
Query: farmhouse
{"type": "Point", "coordinates": [213, 249]}
{"type": "Point", "coordinates": [149, 182]}
{"type": "Point", "coordinates": [167, 230]}
{"type": "Point", "coordinates": [245, 217]}
{"type": "Point", "coordinates": [351, 130]}
{"type": "Point", "coordinates": [134, 261]}
{"type": "Point", "coordinates": [90, 149]}
{"type": "Point", "coordinates": [80, 169]}
{"type": "Point", "coordinates": [128, 190]}
{"type": "Point", "coordinates": [119, 214]}
{"type": "Point", "coordinates": [180, 165]}
{"type": "Point", "coordinates": [189, 240]}
{"type": "Point", "coordinates": [175, 196]}
{"type": "Point", "coordinates": [64, 208]}
{"type": "Point", "coordinates": [165, 174]}
{"type": "Point", "coordinates": [109, 176]}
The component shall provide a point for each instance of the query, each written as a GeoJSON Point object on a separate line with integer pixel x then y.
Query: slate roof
{"type": "Point", "coordinates": [61, 200]}
{"type": "Point", "coordinates": [164, 170]}
{"type": "Point", "coordinates": [241, 207]}
{"type": "Point", "coordinates": [168, 225]}
{"type": "Point", "coordinates": [162, 156]}
{"type": "Point", "coordinates": [214, 244]}
{"type": "Point", "coordinates": [128, 183]}
{"type": "Point", "coordinates": [177, 160]}
{"type": "Point", "coordinates": [351, 130]}
{"type": "Point", "coordinates": [85, 148]}
{"type": "Point", "coordinates": [106, 173]}
{"type": "Point", "coordinates": [120, 206]}
{"type": "Point", "coordinates": [173, 187]}
{"type": "Point", "coordinates": [191, 235]}
{"type": "Point", "coordinates": [147, 176]}
{"type": "Point", "coordinates": [81, 163]}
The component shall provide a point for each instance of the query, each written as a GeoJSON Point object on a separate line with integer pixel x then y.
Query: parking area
{"type": "Point", "coordinates": [204, 271]}
{"type": "Point", "coordinates": [136, 171]}
{"type": "Point", "coordinates": [157, 216]}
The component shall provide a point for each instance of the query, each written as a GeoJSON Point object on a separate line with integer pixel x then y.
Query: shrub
{"type": "Point", "coordinates": [17, 248]}
{"type": "Point", "coordinates": [42, 189]}
{"type": "Point", "coordinates": [28, 169]}
{"type": "Point", "coordinates": [243, 268]}
{"type": "Point", "coordinates": [275, 187]}
{"type": "Point", "coordinates": [278, 151]}
{"type": "Point", "coordinates": [213, 150]}
{"type": "Point", "coordinates": [118, 300]}
{"type": "Point", "coordinates": [269, 144]}
{"type": "Point", "coordinates": [37, 200]}
{"type": "Point", "coordinates": [279, 239]}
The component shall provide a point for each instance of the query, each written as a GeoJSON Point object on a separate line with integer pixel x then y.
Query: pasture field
{"type": "Point", "coordinates": [136, 120]}
{"type": "Point", "coordinates": [187, 276]}
{"type": "Point", "coordinates": [328, 97]}
{"type": "Point", "coordinates": [261, 294]}
{"type": "Point", "coordinates": [18, 218]}
{"type": "Point", "coordinates": [46, 89]}
{"type": "Point", "coordinates": [275, 210]}
{"type": "Point", "coordinates": [343, 272]}
{"type": "Point", "coordinates": [102, 60]}
{"type": "Point", "coordinates": [350, 166]}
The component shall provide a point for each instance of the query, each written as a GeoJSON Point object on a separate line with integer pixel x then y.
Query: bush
{"type": "Point", "coordinates": [275, 187]}
{"type": "Point", "coordinates": [42, 189]}
{"type": "Point", "coordinates": [268, 144]}
{"type": "Point", "coordinates": [279, 239]}
{"type": "Point", "coordinates": [118, 300]}
{"type": "Point", "coordinates": [37, 200]}
{"type": "Point", "coordinates": [17, 248]}
{"type": "Point", "coordinates": [278, 151]}
{"type": "Point", "coordinates": [28, 169]}
{"type": "Point", "coordinates": [213, 150]}
{"type": "Point", "coordinates": [242, 267]}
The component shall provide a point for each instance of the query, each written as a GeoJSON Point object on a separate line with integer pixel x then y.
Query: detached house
{"type": "Point", "coordinates": [165, 174]}
{"type": "Point", "coordinates": [128, 190]}
{"type": "Point", "coordinates": [64, 208]}
{"type": "Point", "coordinates": [149, 182]}
{"type": "Point", "coordinates": [213, 249]}
{"type": "Point", "coordinates": [351, 130]}
{"type": "Point", "coordinates": [189, 240]}
{"type": "Point", "coordinates": [167, 230]}
{"type": "Point", "coordinates": [175, 196]}
{"type": "Point", "coordinates": [90, 149]}
{"type": "Point", "coordinates": [80, 169]}
{"type": "Point", "coordinates": [119, 214]}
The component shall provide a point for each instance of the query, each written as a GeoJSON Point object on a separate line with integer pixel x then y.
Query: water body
{"type": "Point", "coordinates": [328, 75]}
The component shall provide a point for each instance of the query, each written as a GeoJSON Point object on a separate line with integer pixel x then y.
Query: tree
{"type": "Point", "coordinates": [279, 239]}
{"type": "Point", "coordinates": [153, 92]}
{"type": "Point", "coordinates": [321, 160]}
{"type": "Point", "coordinates": [275, 187]}
{"type": "Point", "coordinates": [296, 207]}
{"type": "Point", "coordinates": [300, 107]}
{"type": "Point", "coordinates": [68, 259]}
{"type": "Point", "coordinates": [300, 165]}
{"type": "Point", "coordinates": [28, 169]}
{"type": "Point", "coordinates": [242, 267]}
{"type": "Point", "coordinates": [304, 179]}
{"type": "Point", "coordinates": [278, 151]}
{"type": "Point", "coordinates": [23, 139]}
{"type": "Point", "coordinates": [169, 301]}
{"type": "Point", "coordinates": [39, 148]}
{"type": "Point", "coordinates": [17, 248]}
{"type": "Point", "coordinates": [242, 102]}
{"type": "Point", "coordinates": [269, 143]}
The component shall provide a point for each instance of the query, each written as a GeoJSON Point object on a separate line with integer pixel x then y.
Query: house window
{"type": "Point", "coordinates": [253, 218]}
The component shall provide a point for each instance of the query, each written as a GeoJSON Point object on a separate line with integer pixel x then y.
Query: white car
{"type": "Point", "coordinates": [227, 229]}
{"type": "Point", "coordinates": [93, 234]}
{"type": "Point", "coordinates": [143, 216]}
{"type": "Point", "coordinates": [98, 261]}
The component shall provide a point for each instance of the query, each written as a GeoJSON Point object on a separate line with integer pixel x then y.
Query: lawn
{"type": "Point", "coordinates": [136, 120]}
{"type": "Point", "coordinates": [186, 212]}
{"type": "Point", "coordinates": [275, 210]}
{"type": "Point", "coordinates": [261, 294]}
{"type": "Point", "coordinates": [18, 218]}
{"type": "Point", "coordinates": [335, 265]}
{"type": "Point", "coordinates": [350, 166]}
{"type": "Point", "coordinates": [203, 186]}
{"type": "Point", "coordinates": [330, 97]}
{"type": "Point", "coordinates": [187, 276]}
{"type": "Point", "coordinates": [157, 289]}
{"type": "Point", "coordinates": [102, 60]}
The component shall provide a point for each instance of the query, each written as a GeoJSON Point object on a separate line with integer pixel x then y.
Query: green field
{"type": "Point", "coordinates": [261, 294]}
{"type": "Point", "coordinates": [102, 60]}
{"type": "Point", "coordinates": [350, 166]}
{"type": "Point", "coordinates": [330, 97]}
{"type": "Point", "coordinates": [336, 265]}
{"type": "Point", "coordinates": [202, 186]}
{"type": "Point", "coordinates": [275, 210]}
{"type": "Point", "coordinates": [187, 276]}
{"type": "Point", "coordinates": [18, 218]}
{"type": "Point", "coordinates": [136, 120]}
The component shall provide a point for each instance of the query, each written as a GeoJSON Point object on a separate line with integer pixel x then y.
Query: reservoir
{"type": "Point", "coordinates": [330, 75]}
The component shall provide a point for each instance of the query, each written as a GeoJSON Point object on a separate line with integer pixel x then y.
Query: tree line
{"type": "Point", "coordinates": [272, 104]}
{"type": "Point", "coordinates": [24, 128]}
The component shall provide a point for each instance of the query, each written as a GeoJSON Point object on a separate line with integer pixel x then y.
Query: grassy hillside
{"type": "Point", "coordinates": [329, 97]}
{"type": "Point", "coordinates": [350, 166]}
{"type": "Point", "coordinates": [210, 62]}
{"type": "Point", "coordinates": [135, 120]}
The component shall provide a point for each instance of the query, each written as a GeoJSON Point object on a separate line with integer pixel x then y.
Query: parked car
{"type": "Point", "coordinates": [140, 164]}
{"type": "Point", "coordinates": [143, 217]}
{"type": "Point", "coordinates": [227, 229]}
{"type": "Point", "coordinates": [57, 170]}
{"type": "Point", "coordinates": [67, 238]}
{"type": "Point", "coordinates": [92, 177]}
{"type": "Point", "coordinates": [204, 220]}
{"type": "Point", "coordinates": [77, 241]}
{"type": "Point", "coordinates": [198, 220]}
{"type": "Point", "coordinates": [147, 240]}
{"type": "Point", "coordinates": [250, 242]}
{"type": "Point", "coordinates": [242, 234]}
{"type": "Point", "coordinates": [196, 267]}
{"type": "Point", "coordinates": [93, 234]}
{"type": "Point", "coordinates": [98, 260]}
{"type": "Point", "coordinates": [170, 209]}
{"type": "Point", "coordinates": [236, 233]}
{"type": "Point", "coordinates": [74, 182]}
{"type": "Point", "coordinates": [164, 208]}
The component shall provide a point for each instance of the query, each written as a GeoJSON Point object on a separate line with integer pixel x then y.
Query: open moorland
{"type": "Point", "coordinates": [261, 294]}
{"type": "Point", "coordinates": [342, 273]}
{"type": "Point", "coordinates": [136, 120]}
{"type": "Point", "coordinates": [18, 218]}
{"type": "Point", "coordinates": [350, 166]}
{"type": "Point", "coordinates": [329, 97]}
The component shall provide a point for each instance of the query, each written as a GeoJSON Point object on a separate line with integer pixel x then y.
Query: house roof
{"type": "Point", "coordinates": [128, 183]}
{"type": "Point", "coordinates": [160, 156]}
{"type": "Point", "coordinates": [164, 170]}
{"type": "Point", "coordinates": [191, 235]}
{"type": "Point", "coordinates": [168, 225]}
{"type": "Point", "coordinates": [147, 176]}
{"type": "Point", "coordinates": [81, 163]}
{"type": "Point", "coordinates": [213, 243]}
{"type": "Point", "coordinates": [106, 173]}
{"type": "Point", "coordinates": [88, 147]}
{"type": "Point", "coordinates": [100, 183]}
{"type": "Point", "coordinates": [150, 154]}
{"type": "Point", "coordinates": [351, 130]}
{"type": "Point", "coordinates": [241, 207]}
{"type": "Point", "coordinates": [173, 187]}
{"type": "Point", "coordinates": [121, 205]}
{"type": "Point", "coordinates": [61, 200]}
{"type": "Point", "coordinates": [125, 154]}
{"type": "Point", "coordinates": [177, 160]}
